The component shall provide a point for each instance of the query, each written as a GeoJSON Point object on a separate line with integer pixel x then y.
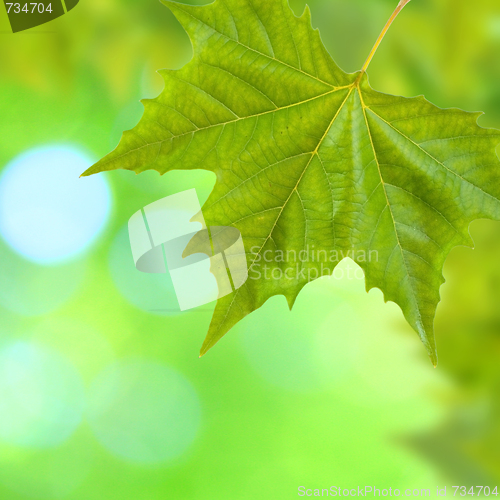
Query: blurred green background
{"type": "Point", "coordinates": [102, 396]}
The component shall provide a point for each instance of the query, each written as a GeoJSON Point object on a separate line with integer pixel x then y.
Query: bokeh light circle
{"type": "Point", "coordinates": [143, 412]}
{"type": "Point", "coordinates": [48, 213]}
{"type": "Point", "coordinates": [41, 396]}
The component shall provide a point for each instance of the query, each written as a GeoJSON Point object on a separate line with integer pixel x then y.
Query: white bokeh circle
{"type": "Point", "coordinates": [48, 214]}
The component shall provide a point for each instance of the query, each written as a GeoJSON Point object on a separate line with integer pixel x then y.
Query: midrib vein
{"type": "Point", "coordinates": [201, 129]}
{"type": "Point", "coordinates": [313, 154]}
{"type": "Point", "coordinates": [382, 182]}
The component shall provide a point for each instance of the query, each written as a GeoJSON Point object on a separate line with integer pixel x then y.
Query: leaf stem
{"type": "Point", "coordinates": [399, 8]}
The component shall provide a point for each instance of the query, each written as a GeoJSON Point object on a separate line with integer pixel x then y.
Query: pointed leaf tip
{"type": "Point", "coordinates": [434, 358]}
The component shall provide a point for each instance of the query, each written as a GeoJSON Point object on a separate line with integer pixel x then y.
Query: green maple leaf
{"type": "Point", "coordinates": [308, 156]}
